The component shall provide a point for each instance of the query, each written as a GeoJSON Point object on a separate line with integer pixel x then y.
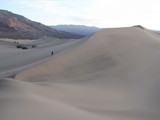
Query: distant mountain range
{"type": "Point", "coordinates": [156, 31]}
{"type": "Point", "coordinates": [77, 29]}
{"type": "Point", "coordinates": [18, 27]}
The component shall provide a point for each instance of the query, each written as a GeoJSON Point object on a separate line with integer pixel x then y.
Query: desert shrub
{"type": "Point", "coordinates": [19, 46]}
{"type": "Point", "coordinates": [24, 47]}
{"type": "Point", "coordinates": [33, 46]}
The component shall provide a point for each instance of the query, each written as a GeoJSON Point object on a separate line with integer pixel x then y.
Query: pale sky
{"type": "Point", "coordinates": [100, 13]}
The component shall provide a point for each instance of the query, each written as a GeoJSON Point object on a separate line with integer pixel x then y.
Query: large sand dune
{"type": "Point", "coordinates": [114, 75]}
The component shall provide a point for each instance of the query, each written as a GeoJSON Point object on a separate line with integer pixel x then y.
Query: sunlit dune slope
{"type": "Point", "coordinates": [117, 68]}
{"type": "Point", "coordinates": [125, 48]}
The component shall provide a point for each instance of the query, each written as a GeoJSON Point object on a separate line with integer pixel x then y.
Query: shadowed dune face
{"type": "Point", "coordinates": [121, 64]}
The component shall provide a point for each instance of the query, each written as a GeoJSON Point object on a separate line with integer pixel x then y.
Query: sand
{"type": "Point", "coordinates": [111, 75]}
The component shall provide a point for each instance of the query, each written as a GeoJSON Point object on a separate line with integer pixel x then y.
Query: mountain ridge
{"type": "Point", "coordinates": [19, 27]}
{"type": "Point", "coordinates": [77, 29]}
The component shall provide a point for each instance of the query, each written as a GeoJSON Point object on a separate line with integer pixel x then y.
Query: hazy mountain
{"type": "Point", "coordinates": [16, 26]}
{"type": "Point", "coordinates": [77, 29]}
{"type": "Point", "coordinates": [156, 31]}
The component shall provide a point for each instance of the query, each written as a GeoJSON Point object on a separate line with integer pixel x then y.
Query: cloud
{"type": "Point", "coordinates": [63, 7]}
{"type": "Point", "coordinates": [50, 6]}
{"type": "Point", "coordinates": [102, 13]}
{"type": "Point", "coordinates": [64, 10]}
{"type": "Point", "coordinates": [84, 21]}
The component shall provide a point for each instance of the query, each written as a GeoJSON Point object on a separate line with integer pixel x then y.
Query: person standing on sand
{"type": "Point", "coordinates": [52, 53]}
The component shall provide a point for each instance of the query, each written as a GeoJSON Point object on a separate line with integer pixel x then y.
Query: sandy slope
{"type": "Point", "coordinates": [13, 60]}
{"type": "Point", "coordinates": [114, 75]}
{"type": "Point", "coordinates": [19, 101]}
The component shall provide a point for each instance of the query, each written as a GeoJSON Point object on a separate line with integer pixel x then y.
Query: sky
{"type": "Point", "coordinates": [99, 13]}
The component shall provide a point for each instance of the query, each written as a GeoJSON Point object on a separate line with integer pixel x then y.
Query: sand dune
{"type": "Point", "coordinates": [20, 102]}
{"type": "Point", "coordinates": [104, 50]}
{"type": "Point", "coordinates": [112, 75]}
